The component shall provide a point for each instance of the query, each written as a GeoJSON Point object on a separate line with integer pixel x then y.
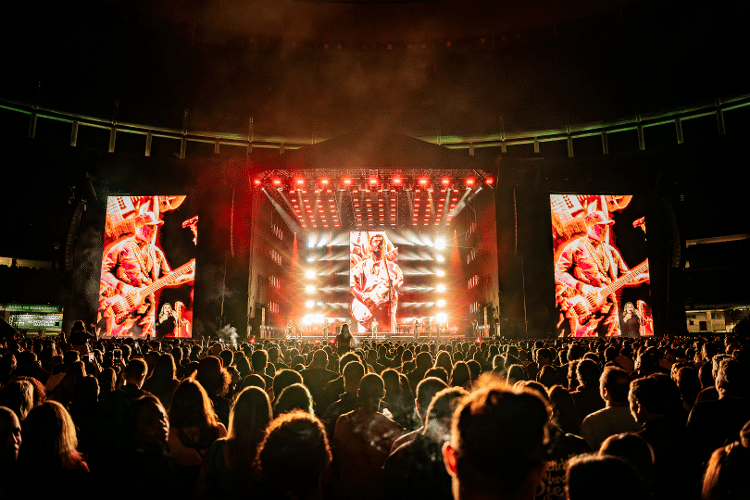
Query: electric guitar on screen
{"type": "Point", "coordinates": [581, 308]}
{"type": "Point", "coordinates": [121, 306]}
{"type": "Point", "coordinates": [363, 311]}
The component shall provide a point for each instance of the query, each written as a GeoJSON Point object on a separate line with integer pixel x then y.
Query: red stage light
{"type": "Point", "coordinates": [257, 182]}
{"type": "Point", "coordinates": [423, 181]}
{"type": "Point", "coordinates": [397, 181]}
{"type": "Point", "coordinates": [324, 182]}
{"type": "Point", "coordinates": [347, 182]}
{"type": "Point", "coordinates": [277, 182]}
{"type": "Point", "coordinates": [489, 180]}
{"type": "Point", "coordinates": [446, 181]}
{"type": "Point", "coordinates": [470, 181]}
{"type": "Point", "coordinates": [373, 181]}
{"type": "Point", "coordinates": [300, 182]}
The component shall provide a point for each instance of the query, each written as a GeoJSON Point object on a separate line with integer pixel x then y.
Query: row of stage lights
{"type": "Point", "coordinates": [375, 183]}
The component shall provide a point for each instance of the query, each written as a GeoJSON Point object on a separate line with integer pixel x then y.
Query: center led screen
{"type": "Point", "coordinates": [375, 280]}
{"type": "Point", "coordinates": [601, 265]}
{"type": "Point", "coordinates": [148, 267]}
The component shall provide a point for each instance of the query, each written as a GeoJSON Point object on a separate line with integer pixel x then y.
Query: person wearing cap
{"type": "Point", "coordinates": [585, 266]}
{"type": "Point", "coordinates": [130, 265]}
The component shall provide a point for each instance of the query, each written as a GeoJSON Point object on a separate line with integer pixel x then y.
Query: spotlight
{"type": "Point", "coordinates": [324, 182]}
{"type": "Point", "coordinates": [310, 304]}
{"type": "Point", "coordinates": [311, 258]}
{"type": "Point", "coordinates": [347, 182]}
{"type": "Point", "coordinates": [470, 182]}
{"type": "Point", "coordinates": [309, 274]}
{"type": "Point", "coordinates": [441, 303]}
{"type": "Point", "coordinates": [373, 181]}
{"type": "Point", "coordinates": [489, 180]}
{"type": "Point", "coordinates": [440, 258]}
{"type": "Point", "coordinates": [440, 244]}
{"type": "Point", "coordinates": [423, 181]}
{"type": "Point", "coordinates": [440, 288]}
{"type": "Point", "coordinates": [445, 181]}
{"type": "Point", "coordinates": [277, 182]}
{"type": "Point", "coordinates": [310, 289]}
{"type": "Point", "coordinates": [300, 183]}
{"type": "Point", "coordinates": [441, 318]}
{"type": "Point", "coordinates": [440, 273]}
{"type": "Point", "coordinates": [257, 182]}
{"type": "Point", "coordinates": [396, 181]}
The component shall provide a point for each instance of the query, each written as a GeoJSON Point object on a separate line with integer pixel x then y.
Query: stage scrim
{"type": "Point", "coordinates": [148, 267]}
{"type": "Point", "coordinates": [601, 265]}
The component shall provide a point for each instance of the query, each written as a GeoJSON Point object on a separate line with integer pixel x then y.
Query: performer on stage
{"type": "Point", "coordinates": [631, 321]}
{"type": "Point", "coordinates": [289, 329]}
{"type": "Point", "coordinates": [586, 267]}
{"type": "Point", "coordinates": [326, 329]}
{"type": "Point", "coordinates": [374, 282]}
{"type": "Point", "coordinates": [129, 267]}
{"type": "Point", "coordinates": [416, 329]}
{"type": "Point", "coordinates": [374, 328]}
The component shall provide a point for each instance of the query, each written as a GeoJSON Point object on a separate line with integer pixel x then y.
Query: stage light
{"type": "Point", "coordinates": [478, 341]}
{"type": "Point", "coordinates": [440, 273]}
{"type": "Point", "coordinates": [441, 303]}
{"type": "Point", "coordinates": [309, 274]}
{"type": "Point", "coordinates": [441, 318]}
{"type": "Point", "coordinates": [440, 258]}
{"type": "Point", "coordinates": [440, 288]}
{"type": "Point", "coordinates": [324, 182]}
{"type": "Point", "coordinates": [310, 289]}
{"type": "Point", "coordinates": [309, 304]}
{"type": "Point", "coordinates": [300, 183]}
{"type": "Point", "coordinates": [257, 182]}
{"type": "Point", "coordinates": [445, 181]}
{"type": "Point", "coordinates": [489, 180]}
{"type": "Point", "coordinates": [373, 181]}
{"type": "Point", "coordinates": [277, 182]}
{"type": "Point", "coordinates": [311, 258]}
{"type": "Point", "coordinates": [347, 182]}
{"type": "Point", "coordinates": [423, 181]}
{"type": "Point", "coordinates": [440, 244]}
{"type": "Point", "coordinates": [396, 181]}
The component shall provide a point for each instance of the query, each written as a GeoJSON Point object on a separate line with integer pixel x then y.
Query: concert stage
{"type": "Point", "coordinates": [408, 233]}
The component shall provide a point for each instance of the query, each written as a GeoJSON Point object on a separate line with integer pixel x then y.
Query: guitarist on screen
{"type": "Point", "coordinates": [587, 266]}
{"type": "Point", "coordinates": [131, 265]}
{"type": "Point", "coordinates": [374, 282]}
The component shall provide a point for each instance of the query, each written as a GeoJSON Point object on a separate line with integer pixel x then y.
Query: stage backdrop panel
{"type": "Point", "coordinates": [601, 265]}
{"type": "Point", "coordinates": [148, 267]}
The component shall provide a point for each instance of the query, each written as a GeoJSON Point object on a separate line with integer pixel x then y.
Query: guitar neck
{"type": "Point", "coordinates": [166, 280]}
{"type": "Point", "coordinates": [624, 280]}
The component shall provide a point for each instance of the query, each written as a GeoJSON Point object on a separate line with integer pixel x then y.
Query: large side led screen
{"type": "Point", "coordinates": [148, 267]}
{"type": "Point", "coordinates": [375, 279]}
{"type": "Point", "coordinates": [601, 266]}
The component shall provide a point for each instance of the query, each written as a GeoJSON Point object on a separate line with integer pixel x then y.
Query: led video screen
{"type": "Point", "coordinates": [375, 279]}
{"type": "Point", "coordinates": [601, 265]}
{"type": "Point", "coordinates": [148, 267]}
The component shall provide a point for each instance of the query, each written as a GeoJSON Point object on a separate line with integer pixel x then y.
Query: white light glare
{"type": "Point", "coordinates": [440, 273]}
{"type": "Point", "coordinates": [440, 244]}
{"type": "Point", "coordinates": [441, 303]}
{"type": "Point", "coordinates": [309, 274]}
{"type": "Point", "coordinates": [441, 318]}
{"type": "Point", "coordinates": [312, 319]}
{"type": "Point", "coordinates": [440, 258]}
{"type": "Point", "coordinates": [311, 258]}
{"type": "Point", "coordinates": [440, 288]}
{"type": "Point", "coordinates": [310, 289]}
{"type": "Point", "coordinates": [310, 304]}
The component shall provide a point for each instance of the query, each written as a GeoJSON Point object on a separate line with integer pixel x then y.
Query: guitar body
{"type": "Point", "coordinates": [363, 312]}
{"type": "Point", "coordinates": [122, 311]}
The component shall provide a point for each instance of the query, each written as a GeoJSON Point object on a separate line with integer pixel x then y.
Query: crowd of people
{"type": "Point", "coordinates": [615, 418]}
